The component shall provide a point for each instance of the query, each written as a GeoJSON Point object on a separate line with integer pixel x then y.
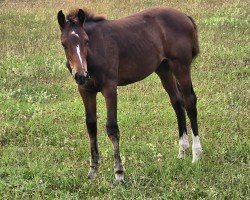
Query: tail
{"type": "Point", "coordinates": [196, 48]}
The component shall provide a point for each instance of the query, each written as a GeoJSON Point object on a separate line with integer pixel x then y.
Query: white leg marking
{"type": "Point", "coordinates": [119, 178]}
{"type": "Point", "coordinates": [92, 173]}
{"type": "Point", "coordinates": [184, 144]}
{"type": "Point", "coordinates": [196, 149]}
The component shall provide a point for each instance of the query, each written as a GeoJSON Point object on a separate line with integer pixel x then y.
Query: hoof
{"type": "Point", "coordinates": [181, 154]}
{"type": "Point", "coordinates": [119, 178]}
{"type": "Point", "coordinates": [92, 173]}
{"type": "Point", "coordinates": [182, 150]}
{"type": "Point", "coordinates": [196, 154]}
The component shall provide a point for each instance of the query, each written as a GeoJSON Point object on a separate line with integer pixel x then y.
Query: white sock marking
{"type": "Point", "coordinates": [184, 144]}
{"type": "Point", "coordinates": [196, 149]}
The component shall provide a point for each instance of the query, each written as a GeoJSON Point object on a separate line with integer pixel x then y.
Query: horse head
{"type": "Point", "coordinates": [75, 43]}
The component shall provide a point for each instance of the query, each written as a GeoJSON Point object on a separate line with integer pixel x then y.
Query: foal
{"type": "Point", "coordinates": [103, 54]}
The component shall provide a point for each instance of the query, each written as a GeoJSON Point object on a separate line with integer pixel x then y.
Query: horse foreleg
{"type": "Point", "coordinates": [110, 94]}
{"type": "Point", "coordinates": [89, 100]}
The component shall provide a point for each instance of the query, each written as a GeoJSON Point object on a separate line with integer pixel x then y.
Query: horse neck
{"type": "Point", "coordinates": [90, 26]}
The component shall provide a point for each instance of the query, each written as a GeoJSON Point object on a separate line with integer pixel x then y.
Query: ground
{"type": "Point", "coordinates": [44, 150]}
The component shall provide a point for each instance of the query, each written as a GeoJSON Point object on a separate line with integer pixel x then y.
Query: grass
{"type": "Point", "coordinates": [44, 150]}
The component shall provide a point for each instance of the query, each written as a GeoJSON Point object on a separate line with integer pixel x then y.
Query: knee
{"type": "Point", "coordinates": [91, 125]}
{"type": "Point", "coordinates": [178, 104]}
{"type": "Point", "coordinates": [112, 128]}
{"type": "Point", "coordinates": [192, 100]}
{"type": "Point", "coordinates": [191, 104]}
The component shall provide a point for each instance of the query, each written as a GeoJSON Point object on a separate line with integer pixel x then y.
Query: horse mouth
{"type": "Point", "coordinates": [82, 79]}
{"type": "Point", "coordinates": [88, 84]}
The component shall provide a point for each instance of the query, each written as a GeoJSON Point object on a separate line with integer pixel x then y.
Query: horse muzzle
{"type": "Point", "coordinates": [81, 78]}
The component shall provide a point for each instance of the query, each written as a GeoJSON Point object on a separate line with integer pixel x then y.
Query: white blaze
{"type": "Point", "coordinates": [79, 53]}
{"type": "Point", "coordinates": [80, 58]}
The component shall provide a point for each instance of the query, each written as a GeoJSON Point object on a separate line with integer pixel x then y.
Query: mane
{"type": "Point", "coordinates": [90, 17]}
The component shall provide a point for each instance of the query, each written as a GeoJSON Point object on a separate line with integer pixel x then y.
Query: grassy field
{"type": "Point", "coordinates": [44, 150]}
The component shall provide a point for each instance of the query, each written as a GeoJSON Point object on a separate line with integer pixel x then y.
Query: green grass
{"type": "Point", "coordinates": [44, 150]}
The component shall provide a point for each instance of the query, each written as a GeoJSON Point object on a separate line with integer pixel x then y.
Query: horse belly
{"type": "Point", "coordinates": [136, 70]}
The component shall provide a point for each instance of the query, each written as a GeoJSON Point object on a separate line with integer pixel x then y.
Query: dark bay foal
{"type": "Point", "coordinates": [103, 54]}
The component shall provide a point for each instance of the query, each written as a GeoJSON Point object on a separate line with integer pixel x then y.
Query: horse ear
{"type": "Point", "coordinates": [61, 19]}
{"type": "Point", "coordinates": [81, 16]}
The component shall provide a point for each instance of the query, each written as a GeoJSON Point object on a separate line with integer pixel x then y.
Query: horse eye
{"type": "Point", "coordinates": [87, 43]}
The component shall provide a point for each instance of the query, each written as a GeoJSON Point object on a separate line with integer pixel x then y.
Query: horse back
{"type": "Point", "coordinates": [137, 44]}
{"type": "Point", "coordinates": [162, 31]}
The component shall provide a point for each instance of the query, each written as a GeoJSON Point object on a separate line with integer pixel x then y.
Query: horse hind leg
{"type": "Point", "coordinates": [183, 76]}
{"type": "Point", "coordinates": [170, 85]}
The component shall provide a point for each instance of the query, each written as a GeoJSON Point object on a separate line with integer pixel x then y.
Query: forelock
{"type": "Point", "coordinates": [73, 16]}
